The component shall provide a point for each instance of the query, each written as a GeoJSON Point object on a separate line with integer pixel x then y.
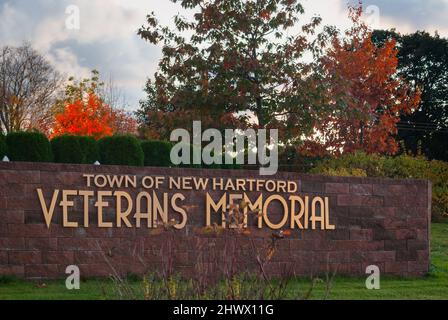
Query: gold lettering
{"type": "Point", "coordinates": [328, 226]}
{"type": "Point", "coordinates": [292, 187]}
{"type": "Point", "coordinates": [295, 218]}
{"type": "Point", "coordinates": [86, 195]}
{"type": "Point", "coordinates": [260, 184]}
{"type": "Point", "coordinates": [89, 177]}
{"type": "Point", "coordinates": [131, 181]}
{"type": "Point", "coordinates": [180, 210]}
{"type": "Point", "coordinates": [230, 185]}
{"type": "Point", "coordinates": [65, 204]}
{"type": "Point", "coordinates": [218, 185]}
{"type": "Point", "coordinates": [317, 218]}
{"type": "Point", "coordinates": [123, 216]}
{"type": "Point", "coordinates": [270, 186]}
{"type": "Point", "coordinates": [48, 213]}
{"type": "Point", "coordinates": [215, 206]}
{"type": "Point", "coordinates": [256, 206]}
{"type": "Point", "coordinates": [115, 181]}
{"type": "Point", "coordinates": [158, 210]}
{"type": "Point", "coordinates": [174, 183]}
{"type": "Point", "coordinates": [281, 186]}
{"type": "Point", "coordinates": [159, 182]}
{"type": "Point", "coordinates": [97, 181]}
{"type": "Point", "coordinates": [100, 204]}
{"type": "Point", "coordinates": [307, 213]}
{"type": "Point", "coordinates": [147, 185]}
{"type": "Point", "coordinates": [186, 183]}
{"type": "Point", "coordinates": [143, 215]}
{"type": "Point", "coordinates": [251, 184]}
{"type": "Point", "coordinates": [201, 184]}
{"type": "Point", "coordinates": [241, 184]}
{"type": "Point", "coordinates": [285, 212]}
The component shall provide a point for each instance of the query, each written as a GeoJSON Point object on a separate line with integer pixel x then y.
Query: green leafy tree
{"type": "Point", "coordinates": [241, 56]}
{"type": "Point", "coordinates": [76, 90]}
{"type": "Point", "coordinates": [423, 61]}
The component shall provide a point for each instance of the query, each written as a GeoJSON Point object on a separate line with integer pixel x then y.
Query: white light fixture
{"type": "Point", "coordinates": [5, 159]}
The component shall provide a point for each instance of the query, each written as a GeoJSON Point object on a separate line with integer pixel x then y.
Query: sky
{"type": "Point", "coordinates": [107, 39]}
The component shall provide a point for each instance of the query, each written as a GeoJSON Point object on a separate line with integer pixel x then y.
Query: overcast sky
{"type": "Point", "coordinates": [107, 38]}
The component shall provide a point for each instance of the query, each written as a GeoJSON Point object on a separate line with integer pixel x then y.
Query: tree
{"type": "Point", "coordinates": [368, 96]}
{"type": "Point", "coordinates": [84, 117]}
{"type": "Point", "coordinates": [123, 122]}
{"type": "Point", "coordinates": [239, 61]}
{"type": "Point", "coordinates": [423, 62]}
{"type": "Point", "coordinates": [28, 86]}
{"type": "Point", "coordinates": [77, 89]}
{"type": "Point", "coordinates": [88, 100]}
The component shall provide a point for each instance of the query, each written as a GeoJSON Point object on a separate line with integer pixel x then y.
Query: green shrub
{"type": "Point", "coordinates": [121, 150]}
{"type": "Point", "coordinates": [67, 149]}
{"type": "Point", "coordinates": [233, 166]}
{"type": "Point", "coordinates": [157, 153]}
{"type": "Point", "coordinates": [406, 167]}
{"type": "Point", "coordinates": [90, 149]}
{"type": "Point", "coordinates": [343, 172]}
{"type": "Point", "coordinates": [28, 146]}
{"type": "Point", "coordinates": [75, 149]}
{"type": "Point", "coordinates": [3, 147]}
{"type": "Point", "coordinates": [368, 165]}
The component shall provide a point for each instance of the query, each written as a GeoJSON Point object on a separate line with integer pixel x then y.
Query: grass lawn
{"type": "Point", "coordinates": [434, 286]}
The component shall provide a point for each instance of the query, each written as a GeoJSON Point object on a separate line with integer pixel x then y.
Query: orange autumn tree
{"type": "Point", "coordinates": [85, 117]}
{"type": "Point", "coordinates": [123, 122]}
{"type": "Point", "coordinates": [365, 95]}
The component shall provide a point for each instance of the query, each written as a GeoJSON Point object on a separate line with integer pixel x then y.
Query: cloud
{"type": "Point", "coordinates": [107, 38]}
{"type": "Point", "coordinates": [10, 19]}
{"type": "Point", "coordinates": [411, 15]}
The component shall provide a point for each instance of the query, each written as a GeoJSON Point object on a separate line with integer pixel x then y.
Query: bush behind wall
{"type": "Point", "coordinates": [157, 153]}
{"type": "Point", "coordinates": [75, 149]}
{"type": "Point", "coordinates": [29, 146]}
{"type": "Point", "coordinates": [3, 147]}
{"type": "Point", "coordinates": [121, 150]}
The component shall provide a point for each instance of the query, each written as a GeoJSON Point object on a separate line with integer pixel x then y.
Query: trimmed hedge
{"type": "Point", "coordinates": [75, 149]}
{"type": "Point", "coordinates": [67, 149]}
{"type": "Point", "coordinates": [29, 146]}
{"type": "Point", "coordinates": [3, 147]}
{"type": "Point", "coordinates": [157, 153]}
{"type": "Point", "coordinates": [90, 149]}
{"type": "Point", "coordinates": [121, 150]}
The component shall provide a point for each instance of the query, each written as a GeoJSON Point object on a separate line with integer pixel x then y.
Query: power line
{"type": "Point", "coordinates": [422, 129]}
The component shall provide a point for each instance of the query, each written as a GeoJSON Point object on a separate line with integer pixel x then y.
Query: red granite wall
{"type": "Point", "coordinates": [377, 222]}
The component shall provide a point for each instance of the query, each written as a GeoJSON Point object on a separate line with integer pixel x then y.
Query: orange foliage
{"type": "Point", "coordinates": [84, 118]}
{"type": "Point", "coordinates": [123, 122]}
{"type": "Point", "coordinates": [91, 117]}
{"type": "Point", "coordinates": [365, 91]}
